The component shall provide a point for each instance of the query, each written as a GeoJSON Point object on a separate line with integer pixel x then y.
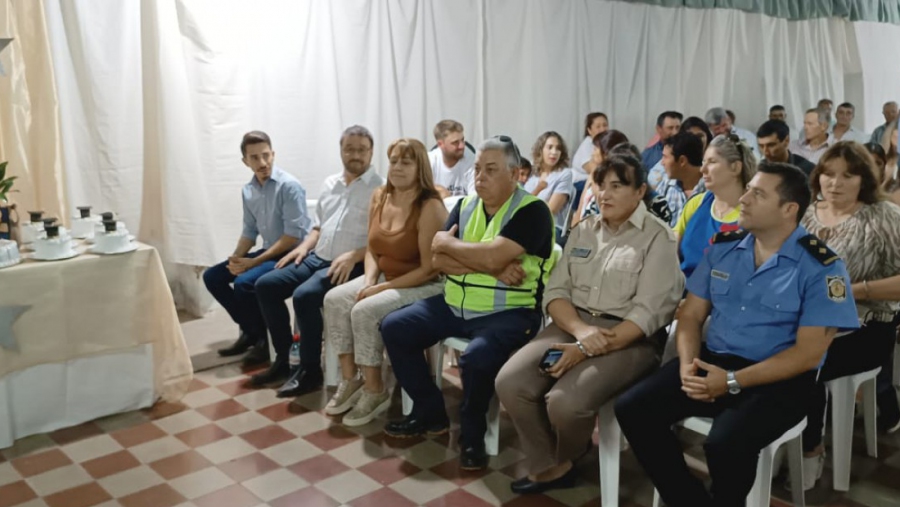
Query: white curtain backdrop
{"type": "Point", "coordinates": [154, 96]}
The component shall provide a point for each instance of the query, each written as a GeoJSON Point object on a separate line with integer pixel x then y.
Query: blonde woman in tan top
{"type": "Point", "coordinates": [404, 215]}
{"type": "Point", "coordinates": [617, 284]}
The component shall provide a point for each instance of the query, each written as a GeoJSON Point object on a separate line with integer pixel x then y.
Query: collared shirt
{"type": "Point", "coordinates": [652, 154]}
{"type": "Point", "coordinates": [275, 209]}
{"type": "Point", "coordinates": [631, 273]}
{"type": "Point", "coordinates": [806, 151]}
{"type": "Point", "coordinates": [675, 196]}
{"type": "Point", "coordinates": [853, 134]}
{"type": "Point", "coordinates": [877, 134]}
{"type": "Point", "coordinates": [756, 311]}
{"type": "Point", "coordinates": [343, 213]}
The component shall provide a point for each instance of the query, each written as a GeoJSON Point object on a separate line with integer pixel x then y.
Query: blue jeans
{"type": "Point", "coordinates": [239, 301]}
{"type": "Point", "coordinates": [409, 331]}
{"type": "Point", "coordinates": [307, 284]}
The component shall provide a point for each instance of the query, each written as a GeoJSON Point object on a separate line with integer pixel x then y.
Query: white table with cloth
{"type": "Point", "coordinates": [84, 338]}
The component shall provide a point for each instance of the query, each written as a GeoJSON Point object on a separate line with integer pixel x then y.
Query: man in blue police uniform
{"type": "Point", "coordinates": [776, 296]}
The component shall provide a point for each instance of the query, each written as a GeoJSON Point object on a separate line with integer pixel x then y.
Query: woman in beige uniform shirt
{"type": "Point", "coordinates": [617, 284]}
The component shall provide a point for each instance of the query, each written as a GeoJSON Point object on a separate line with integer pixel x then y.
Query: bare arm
{"type": "Point", "coordinates": [805, 355]}
{"type": "Point", "coordinates": [886, 289]}
{"type": "Point", "coordinates": [490, 257]}
{"type": "Point", "coordinates": [243, 247]}
{"type": "Point", "coordinates": [690, 325]}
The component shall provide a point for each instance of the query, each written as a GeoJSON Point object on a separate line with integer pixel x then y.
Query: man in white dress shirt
{"type": "Point", "coordinates": [843, 129]}
{"type": "Point", "coordinates": [452, 160]}
{"type": "Point", "coordinates": [816, 138]}
{"type": "Point", "coordinates": [330, 255]}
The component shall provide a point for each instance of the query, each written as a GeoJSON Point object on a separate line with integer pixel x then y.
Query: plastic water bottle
{"type": "Point", "coordinates": [294, 356]}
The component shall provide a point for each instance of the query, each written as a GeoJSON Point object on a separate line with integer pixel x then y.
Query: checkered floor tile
{"type": "Point", "coordinates": [226, 445]}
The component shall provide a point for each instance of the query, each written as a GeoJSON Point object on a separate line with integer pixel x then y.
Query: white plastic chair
{"type": "Point", "coordinates": [610, 448]}
{"type": "Point", "coordinates": [761, 493]}
{"type": "Point", "coordinates": [843, 405]}
{"type": "Point", "coordinates": [896, 365]}
{"type": "Point", "coordinates": [492, 436]}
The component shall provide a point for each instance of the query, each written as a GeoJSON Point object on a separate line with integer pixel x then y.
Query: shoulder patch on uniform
{"type": "Point", "coordinates": [816, 247]}
{"type": "Point", "coordinates": [725, 237]}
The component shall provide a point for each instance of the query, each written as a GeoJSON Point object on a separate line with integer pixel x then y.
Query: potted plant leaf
{"type": "Point", "coordinates": [9, 218]}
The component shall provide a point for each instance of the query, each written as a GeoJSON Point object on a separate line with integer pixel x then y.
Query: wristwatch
{"type": "Point", "coordinates": [733, 386]}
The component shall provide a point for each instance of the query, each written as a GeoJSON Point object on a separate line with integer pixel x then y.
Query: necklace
{"type": "Point", "coordinates": [717, 209]}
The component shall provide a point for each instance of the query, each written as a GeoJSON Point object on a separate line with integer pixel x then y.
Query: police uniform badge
{"type": "Point", "coordinates": [837, 288]}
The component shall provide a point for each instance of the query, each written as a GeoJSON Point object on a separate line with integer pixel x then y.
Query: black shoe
{"type": "Point", "coordinates": [278, 372]}
{"type": "Point", "coordinates": [304, 380]}
{"type": "Point", "coordinates": [525, 486]}
{"type": "Point", "coordinates": [412, 426]}
{"type": "Point", "coordinates": [473, 458]}
{"type": "Point", "coordinates": [243, 343]}
{"type": "Point", "coordinates": [259, 354]}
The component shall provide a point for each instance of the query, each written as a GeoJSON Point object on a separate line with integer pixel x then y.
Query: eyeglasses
{"type": "Point", "coordinates": [355, 151]}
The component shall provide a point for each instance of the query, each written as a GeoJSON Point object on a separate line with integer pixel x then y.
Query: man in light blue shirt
{"type": "Point", "coordinates": [776, 296]}
{"type": "Point", "coordinates": [274, 208]}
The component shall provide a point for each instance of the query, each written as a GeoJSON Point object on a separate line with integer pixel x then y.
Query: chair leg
{"type": "Point", "coordinates": [761, 492]}
{"type": "Point", "coordinates": [870, 419]}
{"type": "Point", "coordinates": [610, 447]}
{"type": "Point", "coordinates": [407, 402]}
{"type": "Point", "coordinates": [795, 465]}
{"type": "Point", "coordinates": [842, 405]}
{"type": "Point", "coordinates": [492, 436]}
{"type": "Point", "coordinates": [437, 359]}
{"type": "Point", "coordinates": [332, 365]}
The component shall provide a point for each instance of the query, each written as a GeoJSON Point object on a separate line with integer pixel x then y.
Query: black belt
{"type": "Point", "coordinates": [600, 314]}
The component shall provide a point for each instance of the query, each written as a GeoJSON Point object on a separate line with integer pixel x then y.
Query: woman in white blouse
{"type": "Point", "coordinates": [552, 180]}
{"type": "Point", "coordinates": [594, 125]}
{"type": "Point", "coordinates": [854, 219]}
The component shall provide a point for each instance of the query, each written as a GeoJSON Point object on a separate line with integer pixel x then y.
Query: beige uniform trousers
{"type": "Point", "coordinates": [556, 418]}
{"type": "Point", "coordinates": [354, 326]}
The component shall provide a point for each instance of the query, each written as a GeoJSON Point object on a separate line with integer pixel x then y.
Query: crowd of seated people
{"type": "Point", "coordinates": [786, 249]}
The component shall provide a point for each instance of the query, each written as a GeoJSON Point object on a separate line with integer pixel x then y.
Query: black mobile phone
{"type": "Point", "coordinates": [550, 358]}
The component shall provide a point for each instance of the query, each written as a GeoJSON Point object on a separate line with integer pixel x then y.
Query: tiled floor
{"type": "Point", "coordinates": [227, 446]}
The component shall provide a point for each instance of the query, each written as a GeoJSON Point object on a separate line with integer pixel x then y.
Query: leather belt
{"type": "Point", "coordinates": [600, 314]}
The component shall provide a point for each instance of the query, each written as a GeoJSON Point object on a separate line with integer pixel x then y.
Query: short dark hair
{"type": "Point", "coordinates": [777, 127]}
{"type": "Point", "coordinates": [794, 186]}
{"type": "Point", "coordinates": [254, 137]}
{"type": "Point", "coordinates": [776, 107]}
{"type": "Point", "coordinates": [825, 101]}
{"type": "Point", "coordinates": [357, 130]}
{"type": "Point", "coordinates": [626, 149]}
{"type": "Point", "coordinates": [626, 167]}
{"type": "Point", "coordinates": [731, 115]}
{"type": "Point", "coordinates": [859, 163]}
{"type": "Point", "coordinates": [695, 122]}
{"type": "Point", "coordinates": [687, 145]}
{"type": "Point", "coordinates": [847, 105]}
{"type": "Point", "coordinates": [608, 140]}
{"type": "Point", "coordinates": [589, 120]}
{"type": "Point", "coordinates": [668, 114]}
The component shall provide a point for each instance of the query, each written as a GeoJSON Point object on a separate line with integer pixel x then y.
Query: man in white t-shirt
{"type": "Point", "coordinates": [452, 161]}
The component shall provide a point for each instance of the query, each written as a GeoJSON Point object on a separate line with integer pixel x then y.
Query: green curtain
{"type": "Point", "coordinates": [884, 11]}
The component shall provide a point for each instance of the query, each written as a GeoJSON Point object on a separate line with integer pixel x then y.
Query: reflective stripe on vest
{"type": "Point", "coordinates": [467, 294]}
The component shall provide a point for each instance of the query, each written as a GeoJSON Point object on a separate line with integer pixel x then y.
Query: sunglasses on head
{"type": "Point", "coordinates": [508, 140]}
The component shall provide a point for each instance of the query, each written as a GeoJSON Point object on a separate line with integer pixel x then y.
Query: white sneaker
{"type": "Point", "coordinates": [367, 408]}
{"type": "Point", "coordinates": [348, 391]}
{"type": "Point", "coordinates": [812, 472]}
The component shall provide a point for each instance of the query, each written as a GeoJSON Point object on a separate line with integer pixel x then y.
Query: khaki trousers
{"type": "Point", "coordinates": [556, 418]}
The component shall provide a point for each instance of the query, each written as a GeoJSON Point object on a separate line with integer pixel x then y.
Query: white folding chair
{"type": "Point", "coordinates": [761, 492]}
{"type": "Point", "coordinates": [843, 405]}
